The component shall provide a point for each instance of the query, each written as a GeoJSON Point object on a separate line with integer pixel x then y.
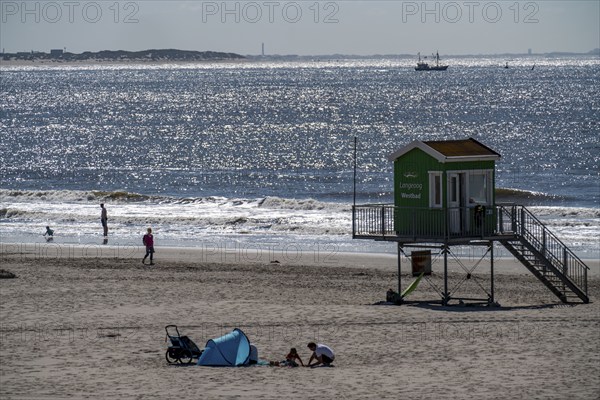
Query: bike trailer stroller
{"type": "Point", "coordinates": [182, 349]}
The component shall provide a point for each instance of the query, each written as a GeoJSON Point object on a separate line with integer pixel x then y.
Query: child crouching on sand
{"type": "Point", "coordinates": [290, 360]}
{"type": "Point", "coordinates": [148, 241]}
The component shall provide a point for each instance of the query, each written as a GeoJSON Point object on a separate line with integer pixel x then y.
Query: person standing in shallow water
{"type": "Point", "coordinates": [104, 220]}
{"type": "Point", "coordinates": [148, 241]}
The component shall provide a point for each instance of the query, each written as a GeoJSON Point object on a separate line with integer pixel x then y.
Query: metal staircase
{"type": "Point", "coordinates": [542, 253]}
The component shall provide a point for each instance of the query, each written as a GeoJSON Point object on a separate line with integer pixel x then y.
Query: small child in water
{"type": "Point", "coordinates": [49, 233]}
{"type": "Point", "coordinates": [148, 241]}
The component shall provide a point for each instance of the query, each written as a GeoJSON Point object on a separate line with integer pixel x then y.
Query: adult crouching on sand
{"type": "Point", "coordinates": [322, 354]}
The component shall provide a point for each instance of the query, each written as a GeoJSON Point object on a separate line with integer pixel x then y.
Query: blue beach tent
{"type": "Point", "coordinates": [230, 350]}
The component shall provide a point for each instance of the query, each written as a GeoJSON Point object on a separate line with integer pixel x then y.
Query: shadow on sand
{"type": "Point", "coordinates": [466, 308]}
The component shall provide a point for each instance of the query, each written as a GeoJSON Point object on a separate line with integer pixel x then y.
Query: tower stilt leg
{"type": "Point", "coordinates": [446, 294]}
{"type": "Point", "coordinates": [399, 268]}
{"type": "Point", "coordinates": [492, 272]}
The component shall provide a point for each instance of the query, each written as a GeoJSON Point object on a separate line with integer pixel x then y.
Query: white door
{"type": "Point", "coordinates": [454, 196]}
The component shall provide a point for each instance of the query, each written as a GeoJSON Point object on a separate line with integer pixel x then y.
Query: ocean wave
{"type": "Point", "coordinates": [175, 221]}
{"type": "Point", "coordinates": [124, 197]}
{"type": "Point", "coordinates": [575, 213]}
{"type": "Point", "coordinates": [99, 196]}
{"type": "Point", "coordinates": [209, 214]}
{"type": "Point", "coordinates": [129, 211]}
{"type": "Point", "coordinates": [118, 196]}
{"type": "Point", "coordinates": [302, 204]}
{"type": "Point", "coordinates": [7, 195]}
{"type": "Point", "coordinates": [518, 195]}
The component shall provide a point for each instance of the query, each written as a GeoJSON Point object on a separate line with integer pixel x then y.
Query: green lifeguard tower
{"type": "Point", "coordinates": [444, 196]}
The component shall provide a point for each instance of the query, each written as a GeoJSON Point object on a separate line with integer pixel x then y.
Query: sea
{"type": "Point", "coordinates": [268, 155]}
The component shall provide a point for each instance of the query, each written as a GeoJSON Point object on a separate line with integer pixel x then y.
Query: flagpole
{"type": "Point", "coordinates": [354, 179]}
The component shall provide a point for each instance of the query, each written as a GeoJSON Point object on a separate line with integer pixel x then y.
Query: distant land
{"type": "Point", "coordinates": [174, 55]}
{"type": "Point", "coordinates": [291, 57]}
{"type": "Point", "coordinates": [123, 56]}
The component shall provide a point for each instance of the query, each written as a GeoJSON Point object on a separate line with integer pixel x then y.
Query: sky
{"type": "Point", "coordinates": [302, 27]}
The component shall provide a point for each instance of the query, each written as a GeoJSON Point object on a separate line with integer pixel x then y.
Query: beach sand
{"type": "Point", "coordinates": [88, 322]}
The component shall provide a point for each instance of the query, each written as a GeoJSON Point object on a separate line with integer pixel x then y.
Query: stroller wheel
{"type": "Point", "coordinates": [185, 357]}
{"type": "Point", "coordinates": [171, 356]}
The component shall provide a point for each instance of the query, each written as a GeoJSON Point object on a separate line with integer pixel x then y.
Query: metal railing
{"type": "Point", "coordinates": [534, 232]}
{"type": "Point", "coordinates": [502, 222]}
{"type": "Point", "coordinates": [373, 220]}
{"type": "Point", "coordinates": [386, 221]}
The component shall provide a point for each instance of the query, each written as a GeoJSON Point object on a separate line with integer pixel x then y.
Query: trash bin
{"type": "Point", "coordinates": [421, 262]}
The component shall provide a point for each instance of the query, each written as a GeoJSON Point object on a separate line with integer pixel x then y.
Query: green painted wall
{"type": "Point", "coordinates": [411, 178]}
{"type": "Point", "coordinates": [411, 192]}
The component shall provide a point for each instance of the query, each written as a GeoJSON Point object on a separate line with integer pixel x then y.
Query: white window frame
{"type": "Point", "coordinates": [432, 189]}
{"type": "Point", "coordinates": [487, 173]}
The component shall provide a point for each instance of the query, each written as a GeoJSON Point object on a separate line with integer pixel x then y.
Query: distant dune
{"type": "Point", "coordinates": [121, 55]}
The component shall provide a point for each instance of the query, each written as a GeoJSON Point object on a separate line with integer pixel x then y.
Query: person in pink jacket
{"type": "Point", "coordinates": [148, 241]}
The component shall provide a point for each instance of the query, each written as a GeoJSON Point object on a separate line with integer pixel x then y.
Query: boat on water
{"type": "Point", "coordinates": [423, 66]}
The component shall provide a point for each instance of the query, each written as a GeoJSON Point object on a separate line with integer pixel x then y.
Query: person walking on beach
{"type": "Point", "coordinates": [322, 354]}
{"type": "Point", "coordinates": [104, 219]}
{"type": "Point", "coordinates": [148, 241]}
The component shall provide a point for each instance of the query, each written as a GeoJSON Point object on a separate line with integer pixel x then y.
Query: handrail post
{"type": "Point", "coordinates": [353, 221]}
{"type": "Point", "coordinates": [544, 249]}
{"type": "Point", "coordinates": [382, 220]}
{"type": "Point", "coordinates": [523, 221]}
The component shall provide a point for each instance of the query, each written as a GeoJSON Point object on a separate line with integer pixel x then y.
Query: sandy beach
{"type": "Point", "coordinates": [89, 322]}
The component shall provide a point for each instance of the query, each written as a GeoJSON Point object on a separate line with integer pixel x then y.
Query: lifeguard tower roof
{"type": "Point", "coordinates": [450, 150]}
